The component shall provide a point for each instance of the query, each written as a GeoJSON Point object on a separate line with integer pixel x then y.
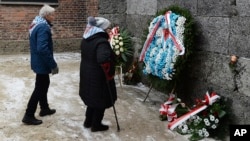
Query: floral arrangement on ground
{"type": "Point", "coordinates": [199, 121]}
{"type": "Point", "coordinates": [133, 75]}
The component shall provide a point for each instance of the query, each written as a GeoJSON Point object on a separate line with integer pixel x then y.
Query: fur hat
{"type": "Point", "coordinates": [102, 22]}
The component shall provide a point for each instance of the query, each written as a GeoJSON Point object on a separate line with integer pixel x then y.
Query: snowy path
{"type": "Point", "coordinates": [139, 121]}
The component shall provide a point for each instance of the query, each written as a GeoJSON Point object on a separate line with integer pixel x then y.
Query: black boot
{"type": "Point", "coordinates": [97, 121]}
{"type": "Point", "coordinates": [45, 112]}
{"type": "Point", "coordinates": [99, 127]}
{"type": "Point", "coordinates": [89, 115]}
{"type": "Point", "coordinates": [31, 120]}
{"type": "Point", "coordinates": [87, 123]}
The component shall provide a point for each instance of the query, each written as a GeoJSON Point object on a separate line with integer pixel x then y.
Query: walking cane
{"type": "Point", "coordinates": [113, 105]}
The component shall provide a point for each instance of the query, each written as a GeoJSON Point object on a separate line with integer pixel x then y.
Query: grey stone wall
{"type": "Point", "coordinates": [225, 31]}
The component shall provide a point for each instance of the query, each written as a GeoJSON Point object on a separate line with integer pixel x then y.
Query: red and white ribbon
{"type": "Point", "coordinates": [167, 33]}
{"type": "Point", "coordinates": [168, 109]}
{"type": "Point", "coordinates": [149, 40]}
{"type": "Point", "coordinates": [114, 32]}
{"type": "Point", "coordinates": [170, 99]}
{"type": "Point", "coordinates": [209, 100]}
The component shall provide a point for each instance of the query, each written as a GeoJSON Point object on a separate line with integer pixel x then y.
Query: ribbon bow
{"type": "Point", "coordinates": [209, 100]}
{"type": "Point", "coordinates": [114, 32]}
{"type": "Point", "coordinates": [167, 33]}
{"type": "Point", "coordinates": [168, 109]}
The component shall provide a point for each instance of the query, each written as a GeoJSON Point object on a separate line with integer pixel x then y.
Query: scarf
{"type": "Point", "coordinates": [38, 20]}
{"type": "Point", "coordinates": [91, 30]}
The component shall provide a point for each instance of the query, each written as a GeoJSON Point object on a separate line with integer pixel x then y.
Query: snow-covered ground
{"type": "Point", "coordinates": [138, 120]}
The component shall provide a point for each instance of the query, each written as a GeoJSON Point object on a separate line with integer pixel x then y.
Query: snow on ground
{"type": "Point", "coordinates": [138, 120]}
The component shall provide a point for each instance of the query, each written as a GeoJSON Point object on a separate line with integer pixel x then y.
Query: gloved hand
{"type": "Point", "coordinates": [55, 70]}
{"type": "Point", "coordinates": [108, 70]}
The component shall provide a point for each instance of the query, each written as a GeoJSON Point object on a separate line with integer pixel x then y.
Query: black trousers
{"type": "Point", "coordinates": [94, 116]}
{"type": "Point", "coordinates": [39, 94]}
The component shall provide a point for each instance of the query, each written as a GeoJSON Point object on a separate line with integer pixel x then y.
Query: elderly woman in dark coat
{"type": "Point", "coordinates": [97, 73]}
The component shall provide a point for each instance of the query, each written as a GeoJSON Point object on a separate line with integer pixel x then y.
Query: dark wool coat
{"type": "Point", "coordinates": [96, 50]}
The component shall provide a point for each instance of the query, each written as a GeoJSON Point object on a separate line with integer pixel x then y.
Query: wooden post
{"type": "Point", "coordinates": [120, 75]}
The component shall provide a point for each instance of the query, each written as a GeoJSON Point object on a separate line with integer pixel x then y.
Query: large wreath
{"type": "Point", "coordinates": [163, 45]}
{"type": "Point", "coordinates": [168, 47]}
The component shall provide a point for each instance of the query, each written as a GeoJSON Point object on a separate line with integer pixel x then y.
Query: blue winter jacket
{"type": "Point", "coordinates": [41, 49]}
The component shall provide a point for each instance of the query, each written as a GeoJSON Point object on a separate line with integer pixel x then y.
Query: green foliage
{"type": "Point", "coordinates": [205, 123]}
{"type": "Point", "coordinates": [181, 64]}
{"type": "Point", "coordinates": [228, 118]}
{"type": "Point", "coordinates": [129, 51]}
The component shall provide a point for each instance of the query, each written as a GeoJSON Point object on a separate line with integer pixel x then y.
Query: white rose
{"type": "Point", "coordinates": [116, 41]}
{"type": "Point", "coordinates": [117, 52]}
{"type": "Point", "coordinates": [116, 46]}
{"type": "Point", "coordinates": [115, 37]}
{"type": "Point", "coordinates": [113, 43]}
{"type": "Point", "coordinates": [121, 49]}
{"type": "Point", "coordinates": [121, 43]}
{"type": "Point", "coordinates": [120, 38]}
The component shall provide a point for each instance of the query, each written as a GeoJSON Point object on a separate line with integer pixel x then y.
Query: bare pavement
{"type": "Point", "coordinates": [138, 120]}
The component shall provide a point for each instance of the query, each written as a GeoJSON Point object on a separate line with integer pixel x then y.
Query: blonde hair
{"type": "Point", "coordinates": [46, 10]}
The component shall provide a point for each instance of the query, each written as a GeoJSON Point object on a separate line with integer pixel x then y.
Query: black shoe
{"type": "Point", "coordinates": [99, 128]}
{"type": "Point", "coordinates": [31, 120]}
{"type": "Point", "coordinates": [87, 124]}
{"type": "Point", "coordinates": [45, 112]}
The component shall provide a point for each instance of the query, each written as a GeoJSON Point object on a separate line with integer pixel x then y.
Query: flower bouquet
{"type": "Point", "coordinates": [121, 44]}
{"type": "Point", "coordinates": [200, 125]}
{"type": "Point", "coordinates": [199, 120]}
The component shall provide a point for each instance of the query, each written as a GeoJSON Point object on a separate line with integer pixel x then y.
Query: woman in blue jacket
{"type": "Point", "coordinates": [42, 63]}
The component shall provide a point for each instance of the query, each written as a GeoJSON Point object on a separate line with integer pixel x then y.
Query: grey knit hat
{"type": "Point", "coordinates": [102, 22]}
{"type": "Point", "coordinates": [91, 21]}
